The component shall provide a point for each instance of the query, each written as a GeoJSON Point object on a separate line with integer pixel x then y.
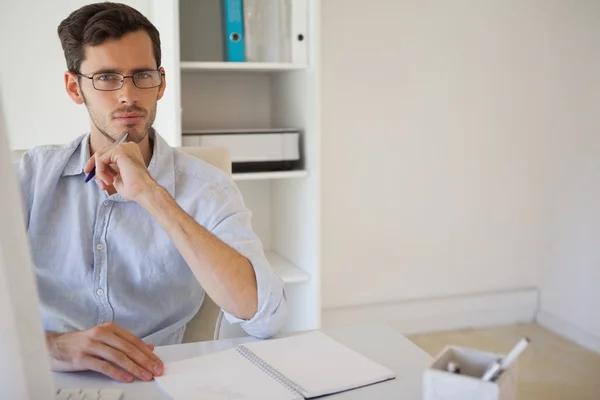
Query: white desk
{"type": "Point", "coordinates": [379, 342]}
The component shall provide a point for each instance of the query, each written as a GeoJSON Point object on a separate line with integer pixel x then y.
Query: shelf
{"type": "Point", "coordinates": [288, 272]}
{"type": "Point", "coordinates": [254, 176]}
{"type": "Point", "coordinates": [238, 66]}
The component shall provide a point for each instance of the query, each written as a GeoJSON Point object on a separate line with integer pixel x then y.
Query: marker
{"type": "Point", "coordinates": [503, 363]}
{"type": "Point", "coordinates": [491, 371]}
{"type": "Point", "coordinates": [453, 368]}
{"type": "Point", "coordinates": [93, 171]}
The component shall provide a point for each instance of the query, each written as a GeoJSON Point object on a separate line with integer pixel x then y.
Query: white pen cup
{"type": "Point", "coordinates": [440, 384]}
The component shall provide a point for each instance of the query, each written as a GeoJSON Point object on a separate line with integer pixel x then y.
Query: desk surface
{"type": "Point", "coordinates": [378, 342]}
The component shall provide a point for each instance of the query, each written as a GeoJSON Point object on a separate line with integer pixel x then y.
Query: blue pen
{"type": "Point", "coordinates": [93, 171]}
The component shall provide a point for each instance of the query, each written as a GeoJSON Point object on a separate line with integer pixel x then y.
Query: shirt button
{"type": "Point", "coordinates": [106, 203]}
{"type": "Point", "coordinates": [99, 246]}
{"type": "Point", "coordinates": [99, 292]}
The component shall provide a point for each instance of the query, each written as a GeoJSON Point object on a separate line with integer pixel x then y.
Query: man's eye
{"type": "Point", "coordinates": [143, 75]}
{"type": "Point", "coordinates": [106, 77]}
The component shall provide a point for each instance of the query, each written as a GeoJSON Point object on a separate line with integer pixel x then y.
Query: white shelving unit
{"type": "Point", "coordinates": [288, 272]}
{"type": "Point", "coordinates": [210, 94]}
{"type": "Point", "coordinates": [253, 176]}
{"type": "Point", "coordinates": [190, 66]}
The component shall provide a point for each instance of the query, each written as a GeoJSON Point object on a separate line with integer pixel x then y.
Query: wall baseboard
{"type": "Point", "coordinates": [568, 330]}
{"type": "Point", "coordinates": [444, 313]}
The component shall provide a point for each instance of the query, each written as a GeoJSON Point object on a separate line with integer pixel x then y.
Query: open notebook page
{"type": "Point", "coordinates": [226, 375]}
{"type": "Point", "coordinates": [319, 364]}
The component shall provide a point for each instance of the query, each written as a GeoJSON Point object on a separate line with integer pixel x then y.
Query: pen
{"type": "Point", "coordinates": [93, 171]}
{"type": "Point", "coordinates": [505, 362]}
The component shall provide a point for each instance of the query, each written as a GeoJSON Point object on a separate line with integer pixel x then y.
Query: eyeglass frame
{"type": "Point", "coordinates": [91, 77]}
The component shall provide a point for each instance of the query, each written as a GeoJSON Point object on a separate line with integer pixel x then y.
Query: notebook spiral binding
{"type": "Point", "coordinates": [273, 373]}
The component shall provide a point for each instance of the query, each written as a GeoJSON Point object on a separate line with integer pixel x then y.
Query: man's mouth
{"type": "Point", "coordinates": [129, 118]}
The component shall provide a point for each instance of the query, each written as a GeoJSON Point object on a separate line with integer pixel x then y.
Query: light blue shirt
{"type": "Point", "coordinates": [100, 258]}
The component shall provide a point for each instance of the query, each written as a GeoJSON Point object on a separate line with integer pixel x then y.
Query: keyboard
{"type": "Point", "coordinates": [89, 394]}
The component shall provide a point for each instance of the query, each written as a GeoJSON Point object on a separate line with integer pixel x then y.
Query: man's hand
{"type": "Point", "coordinates": [108, 349]}
{"type": "Point", "coordinates": [123, 167]}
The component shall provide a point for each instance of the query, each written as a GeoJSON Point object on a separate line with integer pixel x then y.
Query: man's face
{"type": "Point", "coordinates": [129, 109]}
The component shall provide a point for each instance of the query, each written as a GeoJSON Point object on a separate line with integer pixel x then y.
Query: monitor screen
{"type": "Point", "coordinates": [24, 363]}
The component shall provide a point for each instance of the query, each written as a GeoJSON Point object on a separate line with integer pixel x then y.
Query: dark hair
{"type": "Point", "coordinates": [95, 23]}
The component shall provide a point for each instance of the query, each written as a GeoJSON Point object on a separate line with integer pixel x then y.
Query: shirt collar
{"type": "Point", "coordinates": [161, 167]}
{"type": "Point", "coordinates": [79, 157]}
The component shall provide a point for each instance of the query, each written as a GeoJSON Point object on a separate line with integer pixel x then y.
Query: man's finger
{"type": "Point", "coordinates": [103, 170]}
{"type": "Point", "coordinates": [89, 165]}
{"type": "Point", "coordinates": [106, 368]}
{"type": "Point", "coordinates": [131, 351]}
{"type": "Point", "coordinates": [92, 160]}
{"type": "Point", "coordinates": [141, 346]}
{"type": "Point", "coordinates": [112, 155]}
{"type": "Point", "coordinates": [120, 359]}
{"type": "Point", "coordinates": [110, 171]}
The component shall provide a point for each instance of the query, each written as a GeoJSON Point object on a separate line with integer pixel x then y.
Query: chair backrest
{"type": "Point", "coordinates": [17, 154]}
{"type": "Point", "coordinates": [219, 157]}
{"type": "Point", "coordinates": [209, 323]}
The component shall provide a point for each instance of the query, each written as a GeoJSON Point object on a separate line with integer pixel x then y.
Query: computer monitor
{"type": "Point", "coordinates": [24, 362]}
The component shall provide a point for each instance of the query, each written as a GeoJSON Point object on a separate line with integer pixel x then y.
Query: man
{"type": "Point", "coordinates": [123, 262]}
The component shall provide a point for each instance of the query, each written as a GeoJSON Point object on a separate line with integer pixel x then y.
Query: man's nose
{"type": "Point", "coordinates": [129, 93]}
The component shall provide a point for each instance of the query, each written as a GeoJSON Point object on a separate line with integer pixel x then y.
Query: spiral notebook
{"type": "Point", "coordinates": [298, 367]}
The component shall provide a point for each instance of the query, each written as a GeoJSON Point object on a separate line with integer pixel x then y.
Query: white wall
{"type": "Point", "coordinates": [433, 115]}
{"type": "Point", "coordinates": [570, 277]}
{"type": "Point", "coordinates": [31, 75]}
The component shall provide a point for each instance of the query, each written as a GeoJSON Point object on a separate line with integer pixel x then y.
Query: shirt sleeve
{"type": "Point", "coordinates": [230, 220]}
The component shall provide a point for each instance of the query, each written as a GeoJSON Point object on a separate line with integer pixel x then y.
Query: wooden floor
{"type": "Point", "coordinates": [552, 368]}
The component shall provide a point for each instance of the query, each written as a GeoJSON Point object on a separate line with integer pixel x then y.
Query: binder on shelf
{"type": "Point", "coordinates": [275, 31]}
{"type": "Point", "coordinates": [233, 27]}
{"type": "Point", "coordinates": [202, 32]}
{"type": "Point", "coordinates": [299, 29]}
{"type": "Point", "coordinates": [267, 28]}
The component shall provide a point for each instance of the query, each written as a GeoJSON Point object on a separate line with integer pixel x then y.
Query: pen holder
{"type": "Point", "coordinates": [439, 384]}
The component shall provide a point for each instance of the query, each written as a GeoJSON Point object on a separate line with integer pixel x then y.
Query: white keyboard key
{"type": "Point", "coordinates": [62, 396]}
{"type": "Point", "coordinates": [93, 393]}
{"type": "Point", "coordinates": [70, 391]}
{"type": "Point", "coordinates": [111, 394]}
{"type": "Point", "coordinates": [89, 394]}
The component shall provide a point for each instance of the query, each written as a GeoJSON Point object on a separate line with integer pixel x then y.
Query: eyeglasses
{"type": "Point", "coordinates": [107, 81]}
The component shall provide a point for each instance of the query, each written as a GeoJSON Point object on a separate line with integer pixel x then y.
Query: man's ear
{"type": "Point", "coordinates": [163, 85]}
{"type": "Point", "coordinates": [73, 88]}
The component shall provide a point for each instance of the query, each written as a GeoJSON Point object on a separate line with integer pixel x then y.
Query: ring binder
{"type": "Point", "coordinates": [272, 372]}
{"type": "Point", "coordinates": [233, 25]}
{"type": "Point", "coordinates": [299, 367]}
